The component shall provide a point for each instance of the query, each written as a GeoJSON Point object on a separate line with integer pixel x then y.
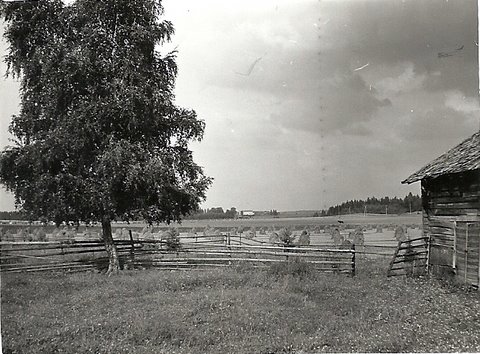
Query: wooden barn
{"type": "Point", "coordinates": [451, 211]}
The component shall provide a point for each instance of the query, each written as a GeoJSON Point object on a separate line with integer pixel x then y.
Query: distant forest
{"type": "Point", "coordinates": [373, 205]}
{"type": "Point", "coordinates": [386, 205]}
{"type": "Point", "coordinates": [213, 213]}
{"type": "Point", "coordinates": [12, 215]}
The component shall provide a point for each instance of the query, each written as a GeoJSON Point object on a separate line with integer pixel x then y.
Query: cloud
{"type": "Point", "coordinates": [406, 81]}
{"type": "Point", "coordinates": [303, 117]}
{"type": "Point", "coordinates": [437, 123]}
{"type": "Point", "coordinates": [457, 101]}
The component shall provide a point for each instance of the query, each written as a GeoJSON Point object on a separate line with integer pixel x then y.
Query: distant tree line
{"type": "Point", "coordinates": [386, 205]}
{"type": "Point", "coordinates": [214, 213]}
{"type": "Point", "coordinates": [12, 215]}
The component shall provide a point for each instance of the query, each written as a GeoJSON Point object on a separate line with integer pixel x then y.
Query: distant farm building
{"type": "Point", "coordinates": [451, 210]}
{"type": "Point", "coordinates": [247, 214]}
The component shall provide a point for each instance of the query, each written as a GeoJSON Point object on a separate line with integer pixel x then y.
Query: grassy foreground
{"type": "Point", "coordinates": [236, 310]}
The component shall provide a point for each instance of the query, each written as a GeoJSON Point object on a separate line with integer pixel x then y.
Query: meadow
{"type": "Point", "coordinates": [286, 307]}
{"type": "Point", "coordinates": [281, 309]}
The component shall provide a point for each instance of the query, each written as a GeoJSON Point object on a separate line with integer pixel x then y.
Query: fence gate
{"type": "Point", "coordinates": [466, 260]}
{"type": "Point", "coordinates": [410, 258]}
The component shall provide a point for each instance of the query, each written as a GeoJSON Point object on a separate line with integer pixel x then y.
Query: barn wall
{"type": "Point", "coordinates": [467, 267]}
{"type": "Point", "coordinates": [449, 200]}
{"type": "Point", "coordinates": [454, 195]}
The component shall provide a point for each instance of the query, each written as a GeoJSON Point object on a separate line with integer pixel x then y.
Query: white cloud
{"type": "Point", "coordinates": [457, 101]}
{"type": "Point", "coordinates": [407, 80]}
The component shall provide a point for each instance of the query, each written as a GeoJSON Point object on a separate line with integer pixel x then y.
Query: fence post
{"type": "Point", "coordinates": [427, 244]}
{"type": "Point", "coordinates": [228, 245]}
{"type": "Point", "coordinates": [466, 253]}
{"type": "Point", "coordinates": [132, 248]}
{"type": "Point", "coordinates": [454, 257]}
{"type": "Point", "coordinates": [353, 260]}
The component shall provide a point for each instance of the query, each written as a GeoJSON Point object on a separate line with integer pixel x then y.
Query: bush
{"type": "Point", "coordinates": [25, 235]}
{"type": "Point", "coordinates": [208, 231]}
{"type": "Point", "coordinates": [400, 233]}
{"type": "Point", "coordinates": [171, 237]}
{"type": "Point", "coordinates": [8, 235]}
{"type": "Point", "coordinates": [146, 233]}
{"type": "Point", "coordinates": [358, 237]}
{"type": "Point", "coordinates": [274, 239]}
{"type": "Point", "coordinates": [336, 236]}
{"type": "Point", "coordinates": [286, 236]}
{"type": "Point", "coordinates": [251, 233]}
{"type": "Point", "coordinates": [304, 239]}
{"type": "Point", "coordinates": [40, 234]}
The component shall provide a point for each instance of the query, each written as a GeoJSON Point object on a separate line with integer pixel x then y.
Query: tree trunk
{"type": "Point", "coordinates": [113, 263]}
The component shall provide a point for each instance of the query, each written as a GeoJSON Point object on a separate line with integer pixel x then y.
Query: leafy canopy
{"type": "Point", "coordinates": [98, 134]}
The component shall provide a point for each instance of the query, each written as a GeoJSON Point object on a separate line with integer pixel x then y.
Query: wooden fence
{"type": "Point", "coordinates": [193, 252]}
{"type": "Point", "coordinates": [410, 258]}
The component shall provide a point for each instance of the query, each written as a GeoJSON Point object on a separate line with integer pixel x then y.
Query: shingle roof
{"type": "Point", "coordinates": [463, 157]}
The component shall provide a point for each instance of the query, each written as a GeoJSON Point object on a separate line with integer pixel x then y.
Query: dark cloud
{"type": "Point", "coordinates": [321, 87]}
{"type": "Point", "coordinates": [437, 125]}
{"type": "Point", "coordinates": [390, 32]}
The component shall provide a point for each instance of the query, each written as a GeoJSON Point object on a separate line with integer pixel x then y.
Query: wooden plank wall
{"type": "Point", "coordinates": [447, 200]}
{"type": "Point", "coordinates": [468, 253]}
{"type": "Point", "coordinates": [441, 255]}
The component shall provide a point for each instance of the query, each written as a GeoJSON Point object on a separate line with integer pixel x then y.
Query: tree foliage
{"type": "Point", "coordinates": [98, 134]}
{"type": "Point", "coordinates": [378, 206]}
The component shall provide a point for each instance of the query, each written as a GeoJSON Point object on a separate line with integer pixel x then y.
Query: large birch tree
{"type": "Point", "coordinates": [98, 136]}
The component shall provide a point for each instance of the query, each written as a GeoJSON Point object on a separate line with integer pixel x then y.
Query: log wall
{"type": "Point", "coordinates": [450, 203]}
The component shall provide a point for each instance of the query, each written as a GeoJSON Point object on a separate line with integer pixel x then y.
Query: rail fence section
{"type": "Point", "coordinates": [192, 252]}
{"type": "Point", "coordinates": [74, 251]}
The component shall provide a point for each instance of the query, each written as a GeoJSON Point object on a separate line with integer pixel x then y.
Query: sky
{"type": "Point", "coordinates": [311, 103]}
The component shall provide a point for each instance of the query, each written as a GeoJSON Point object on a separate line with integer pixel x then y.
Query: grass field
{"type": "Point", "coordinates": [300, 222]}
{"type": "Point", "coordinates": [236, 310]}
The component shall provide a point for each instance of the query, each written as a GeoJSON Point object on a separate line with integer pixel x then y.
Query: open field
{"type": "Point", "coordinates": [236, 310]}
{"type": "Point", "coordinates": [293, 222]}
{"type": "Point", "coordinates": [301, 222]}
